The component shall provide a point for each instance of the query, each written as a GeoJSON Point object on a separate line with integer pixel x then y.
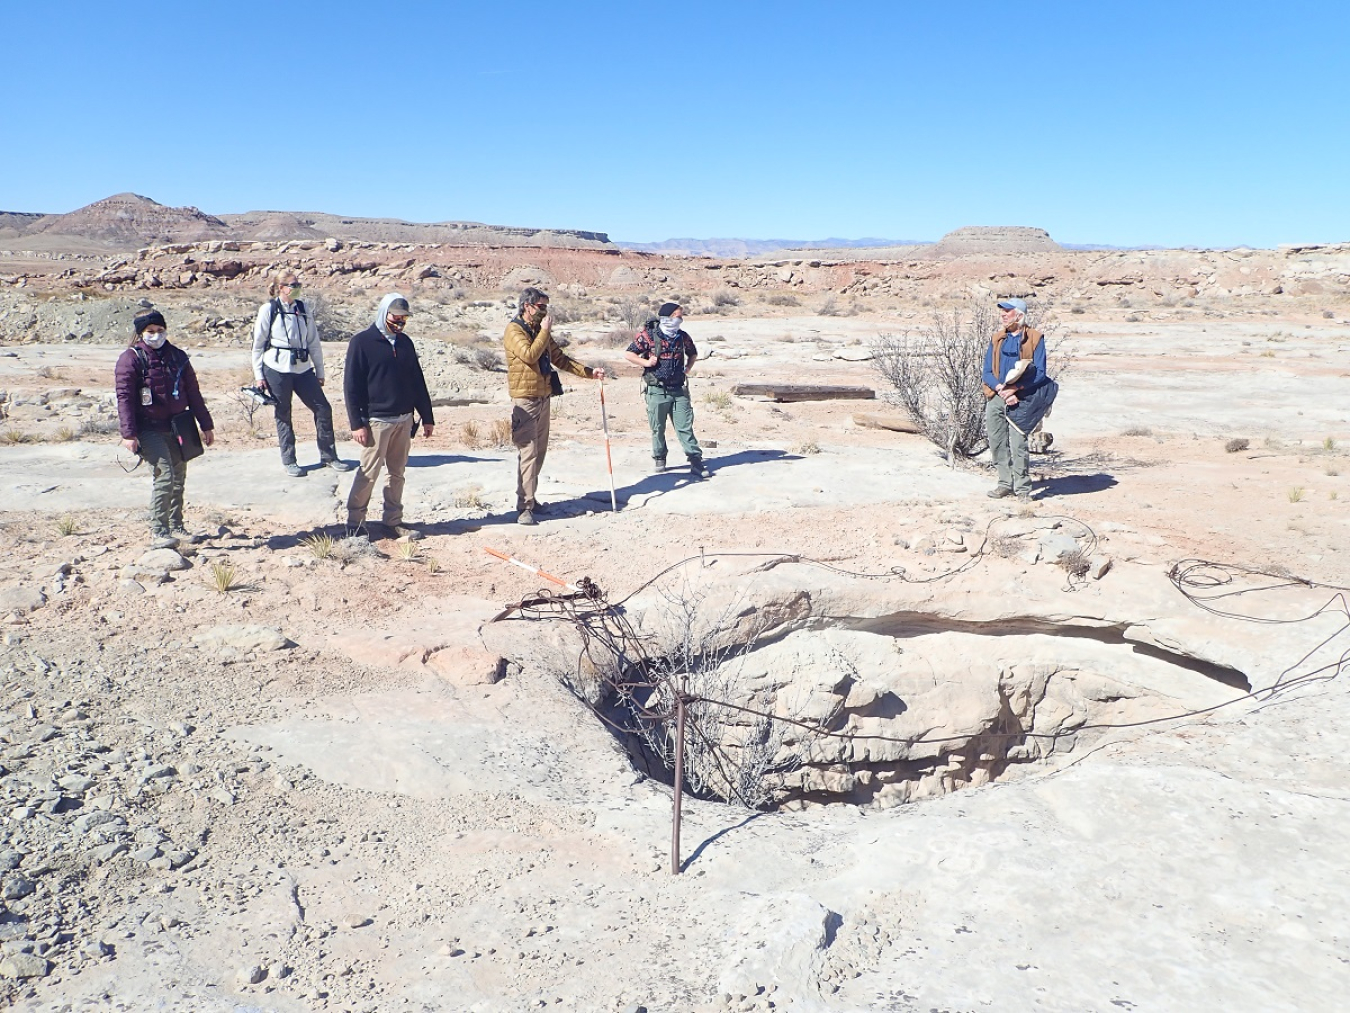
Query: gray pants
{"type": "Point", "coordinates": [390, 443]}
{"type": "Point", "coordinates": [529, 432]}
{"type": "Point", "coordinates": [306, 387]}
{"type": "Point", "coordinates": [169, 471]}
{"type": "Point", "coordinates": [665, 404]}
{"type": "Point", "coordinates": [1008, 447]}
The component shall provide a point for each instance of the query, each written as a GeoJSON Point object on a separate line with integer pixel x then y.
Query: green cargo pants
{"type": "Point", "coordinates": [663, 404]}
{"type": "Point", "coordinates": [165, 457]}
{"type": "Point", "coordinates": [1008, 448]}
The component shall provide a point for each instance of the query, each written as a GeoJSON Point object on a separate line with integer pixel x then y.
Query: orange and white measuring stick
{"type": "Point", "coordinates": [533, 569]}
{"type": "Point", "coordinates": [604, 422]}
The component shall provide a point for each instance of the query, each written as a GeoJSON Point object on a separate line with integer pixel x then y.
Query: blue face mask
{"type": "Point", "coordinates": [670, 326]}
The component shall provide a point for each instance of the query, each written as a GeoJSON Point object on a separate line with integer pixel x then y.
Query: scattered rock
{"type": "Point", "coordinates": [1054, 546]}
{"type": "Point", "coordinates": [107, 852]}
{"type": "Point", "coordinates": [247, 638]}
{"type": "Point", "coordinates": [76, 784]}
{"type": "Point", "coordinates": [97, 820]}
{"type": "Point", "coordinates": [468, 666]}
{"type": "Point", "coordinates": [21, 599]}
{"type": "Point", "coordinates": [25, 965]}
{"type": "Point", "coordinates": [17, 888]}
{"type": "Point", "coordinates": [167, 560]}
{"type": "Point", "coordinates": [251, 975]}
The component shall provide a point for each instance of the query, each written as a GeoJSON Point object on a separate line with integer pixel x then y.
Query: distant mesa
{"type": "Point", "coordinates": [128, 221]}
{"type": "Point", "coordinates": [993, 240]}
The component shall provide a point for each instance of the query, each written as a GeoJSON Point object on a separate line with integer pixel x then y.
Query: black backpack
{"type": "Point", "coordinates": [300, 354]}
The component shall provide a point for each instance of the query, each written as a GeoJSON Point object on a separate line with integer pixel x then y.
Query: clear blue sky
{"type": "Point", "coordinates": [1146, 122]}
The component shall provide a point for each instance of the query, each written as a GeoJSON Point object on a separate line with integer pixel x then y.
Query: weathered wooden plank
{"type": "Point", "coordinates": [895, 423]}
{"type": "Point", "coordinates": [802, 392]}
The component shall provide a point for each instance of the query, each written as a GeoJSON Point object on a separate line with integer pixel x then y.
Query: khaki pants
{"type": "Point", "coordinates": [529, 432]}
{"type": "Point", "coordinates": [390, 443]}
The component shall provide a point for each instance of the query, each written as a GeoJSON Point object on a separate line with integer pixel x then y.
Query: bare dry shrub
{"type": "Point", "coordinates": [326, 320]}
{"type": "Point", "coordinates": [728, 755]}
{"type": "Point", "coordinates": [620, 337]}
{"type": "Point", "coordinates": [487, 359]}
{"type": "Point", "coordinates": [1075, 563]}
{"type": "Point", "coordinates": [470, 497]}
{"type": "Point", "coordinates": [634, 312]}
{"type": "Point", "coordinates": [694, 654]}
{"type": "Point", "coordinates": [1236, 445]}
{"type": "Point", "coordinates": [247, 408]}
{"type": "Point", "coordinates": [782, 299]}
{"type": "Point", "coordinates": [500, 433]}
{"type": "Point", "coordinates": [937, 377]}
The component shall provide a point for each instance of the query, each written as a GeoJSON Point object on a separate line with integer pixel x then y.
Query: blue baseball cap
{"type": "Point", "coordinates": [1013, 304]}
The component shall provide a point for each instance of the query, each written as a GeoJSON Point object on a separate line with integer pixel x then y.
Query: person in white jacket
{"type": "Point", "coordinates": [288, 358]}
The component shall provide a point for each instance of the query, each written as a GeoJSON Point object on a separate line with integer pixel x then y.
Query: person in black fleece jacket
{"type": "Point", "coordinates": [383, 386]}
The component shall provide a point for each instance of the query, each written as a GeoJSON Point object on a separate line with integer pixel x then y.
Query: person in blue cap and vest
{"type": "Point", "coordinates": [1019, 394]}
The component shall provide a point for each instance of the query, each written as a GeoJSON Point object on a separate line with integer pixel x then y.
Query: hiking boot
{"type": "Point", "coordinates": [999, 492]}
{"type": "Point", "coordinates": [527, 518]}
{"type": "Point", "coordinates": [403, 531]}
{"type": "Point", "coordinates": [295, 471]}
{"type": "Point", "coordinates": [1024, 497]}
{"type": "Point", "coordinates": [337, 465]}
{"type": "Point", "coordinates": [658, 465]}
{"type": "Point", "coordinates": [183, 535]}
{"type": "Point", "coordinates": [163, 542]}
{"type": "Point", "coordinates": [697, 468]}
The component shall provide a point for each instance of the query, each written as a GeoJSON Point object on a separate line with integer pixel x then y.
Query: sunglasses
{"type": "Point", "coordinates": [290, 284]}
{"type": "Point", "coordinates": [397, 320]}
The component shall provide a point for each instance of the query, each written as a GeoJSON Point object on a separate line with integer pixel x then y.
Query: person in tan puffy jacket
{"type": "Point", "coordinates": [533, 359]}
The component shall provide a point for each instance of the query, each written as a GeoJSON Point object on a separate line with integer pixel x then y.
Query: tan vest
{"type": "Point", "coordinates": [1030, 339]}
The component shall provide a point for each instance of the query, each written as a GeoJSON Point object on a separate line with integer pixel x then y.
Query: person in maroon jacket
{"type": "Point", "coordinates": [155, 381]}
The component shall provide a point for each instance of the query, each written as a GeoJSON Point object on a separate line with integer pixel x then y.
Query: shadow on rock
{"type": "Point", "coordinates": [1076, 485]}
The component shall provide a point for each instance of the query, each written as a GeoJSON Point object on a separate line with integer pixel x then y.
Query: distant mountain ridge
{"type": "Point", "coordinates": [756, 247]}
{"type": "Point", "coordinates": [128, 221]}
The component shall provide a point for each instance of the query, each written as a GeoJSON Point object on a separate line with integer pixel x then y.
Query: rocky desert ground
{"type": "Point", "coordinates": [1086, 753]}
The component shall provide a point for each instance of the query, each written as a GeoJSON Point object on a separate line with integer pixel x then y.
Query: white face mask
{"type": "Point", "coordinates": [670, 326]}
{"type": "Point", "coordinates": [155, 340]}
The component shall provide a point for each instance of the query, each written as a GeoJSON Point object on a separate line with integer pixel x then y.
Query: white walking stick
{"type": "Point", "coordinates": [609, 460]}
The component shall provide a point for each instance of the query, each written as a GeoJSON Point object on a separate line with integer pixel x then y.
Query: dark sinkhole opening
{"type": "Point", "coordinates": [882, 711]}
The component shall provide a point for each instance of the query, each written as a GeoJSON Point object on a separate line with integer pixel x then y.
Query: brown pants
{"type": "Point", "coordinates": [529, 432]}
{"type": "Point", "coordinates": [390, 443]}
